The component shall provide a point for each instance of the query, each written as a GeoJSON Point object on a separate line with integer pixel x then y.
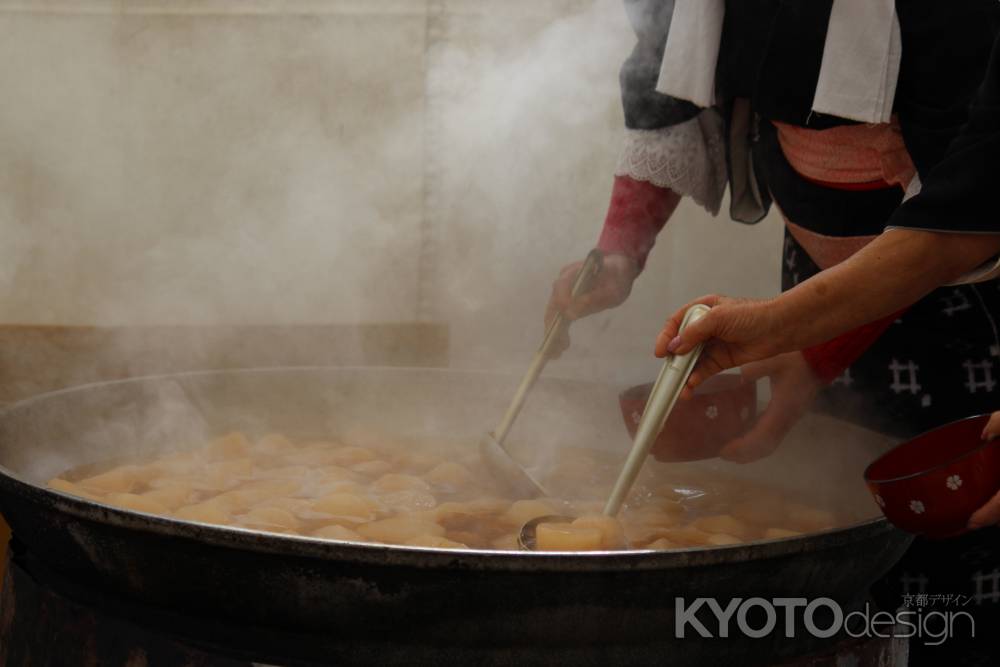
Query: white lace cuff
{"type": "Point", "coordinates": [689, 158]}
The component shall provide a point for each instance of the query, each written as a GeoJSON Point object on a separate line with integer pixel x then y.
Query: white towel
{"type": "Point", "coordinates": [857, 78]}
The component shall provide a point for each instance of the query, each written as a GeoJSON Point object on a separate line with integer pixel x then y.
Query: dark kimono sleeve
{"type": "Point", "coordinates": [960, 193]}
{"type": "Point", "coordinates": [646, 109]}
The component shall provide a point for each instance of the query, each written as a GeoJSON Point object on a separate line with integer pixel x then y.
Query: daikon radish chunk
{"type": "Point", "coordinates": [122, 479]}
{"type": "Point", "coordinates": [435, 541]}
{"type": "Point", "coordinates": [270, 516]}
{"type": "Point", "coordinates": [567, 537]}
{"type": "Point", "coordinates": [612, 533]}
{"type": "Point", "coordinates": [65, 486]}
{"type": "Point", "coordinates": [346, 506]}
{"type": "Point", "coordinates": [337, 532]}
{"type": "Point", "coordinates": [346, 456]}
{"type": "Point", "coordinates": [137, 503]}
{"type": "Point", "coordinates": [507, 542]}
{"type": "Point", "coordinates": [313, 456]}
{"type": "Point", "coordinates": [721, 539]}
{"type": "Point", "coordinates": [233, 445]}
{"type": "Point", "coordinates": [397, 482]}
{"type": "Point", "coordinates": [662, 544]}
{"type": "Point", "coordinates": [274, 444]}
{"type": "Point", "coordinates": [374, 468]}
{"type": "Point", "coordinates": [206, 512]}
{"type": "Point", "coordinates": [523, 511]}
{"type": "Point", "coordinates": [688, 536]}
{"type": "Point", "coordinates": [779, 533]}
{"type": "Point", "coordinates": [652, 516]}
{"type": "Point", "coordinates": [398, 529]}
{"type": "Point", "coordinates": [809, 519]}
{"type": "Point", "coordinates": [408, 501]}
{"type": "Point", "coordinates": [721, 523]}
{"type": "Point", "coordinates": [171, 496]}
{"type": "Point", "coordinates": [450, 476]}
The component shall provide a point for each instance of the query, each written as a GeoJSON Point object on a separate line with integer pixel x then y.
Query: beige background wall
{"type": "Point", "coordinates": [311, 161]}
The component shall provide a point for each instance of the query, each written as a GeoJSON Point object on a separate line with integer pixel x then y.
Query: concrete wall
{"type": "Point", "coordinates": [317, 161]}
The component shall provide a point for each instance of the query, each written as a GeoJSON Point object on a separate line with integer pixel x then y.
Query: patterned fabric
{"type": "Point", "coordinates": [938, 362]}
{"type": "Point", "coordinates": [689, 158]}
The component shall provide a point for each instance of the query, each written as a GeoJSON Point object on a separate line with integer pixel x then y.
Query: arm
{"type": "Point", "coordinates": [949, 229]}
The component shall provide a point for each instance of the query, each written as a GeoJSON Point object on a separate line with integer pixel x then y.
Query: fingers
{"type": "Point", "coordinates": [988, 514]}
{"type": "Point", "coordinates": [766, 434]}
{"type": "Point", "coordinates": [667, 342]}
{"type": "Point", "coordinates": [992, 429]}
{"type": "Point", "coordinates": [562, 290]}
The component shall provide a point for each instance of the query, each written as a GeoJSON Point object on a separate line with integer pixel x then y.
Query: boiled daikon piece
{"type": "Point", "coordinates": [779, 533]}
{"type": "Point", "coordinates": [662, 544]}
{"type": "Point", "coordinates": [137, 503]}
{"type": "Point", "coordinates": [408, 501]}
{"type": "Point", "coordinates": [567, 537]}
{"type": "Point", "coordinates": [230, 446]}
{"type": "Point", "coordinates": [337, 532]}
{"type": "Point", "coordinates": [274, 444]}
{"type": "Point", "coordinates": [435, 541]}
{"type": "Point", "coordinates": [688, 536]}
{"type": "Point", "coordinates": [171, 496]}
{"type": "Point", "coordinates": [523, 511]}
{"type": "Point", "coordinates": [809, 519]}
{"type": "Point", "coordinates": [612, 533]}
{"type": "Point", "coordinates": [269, 518]}
{"type": "Point", "coordinates": [722, 523]}
{"type": "Point", "coordinates": [508, 542]}
{"type": "Point", "coordinates": [206, 512]}
{"type": "Point", "coordinates": [398, 529]}
{"type": "Point", "coordinates": [721, 539]}
{"type": "Point", "coordinates": [450, 476]}
{"type": "Point", "coordinates": [652, 516]}
{"type": "Point", "coordinates": [313, 455]}
{"type": "Point", "coordinates": [122, 479]}
{"type": "Point", "coordinates": [347, 506]}
{"type": "Point", "coordinates": [66, 486]}
{"type": "Point", "coordinates": [397, 482]}
{"type": "Point", "coordinates": [764, 510]}
{"type": "Point", "coordinates": [373, 468]}
{"type": "Point", "coordinates": [347, 456]}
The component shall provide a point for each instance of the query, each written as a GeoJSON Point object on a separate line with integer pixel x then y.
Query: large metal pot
{"type": "Point", "coordinates": [401, 604]}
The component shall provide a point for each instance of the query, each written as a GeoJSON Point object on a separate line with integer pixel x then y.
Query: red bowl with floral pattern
{"type": "Point", "coordinates": [932, 484]}
{"type": "Point", "coordinates": [721, 409]}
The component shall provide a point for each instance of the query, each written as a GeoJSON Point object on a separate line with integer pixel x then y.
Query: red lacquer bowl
{"type": "Point", "coordinates": [721, 409]}
{"type": "Point", "coordinates": [932, 484]}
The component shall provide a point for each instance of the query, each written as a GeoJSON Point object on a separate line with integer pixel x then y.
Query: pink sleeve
{"type": "Point", "coordinates": [637, 213]}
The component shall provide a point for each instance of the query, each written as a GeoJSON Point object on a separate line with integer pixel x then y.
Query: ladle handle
{"type": "Point", "coordinates": [585, 279]}
{"type": "Point", "coordinates": [662, 398]}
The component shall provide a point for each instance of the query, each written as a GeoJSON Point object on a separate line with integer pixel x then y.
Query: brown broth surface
{"type": "Point", "coordinates": [383, 490]}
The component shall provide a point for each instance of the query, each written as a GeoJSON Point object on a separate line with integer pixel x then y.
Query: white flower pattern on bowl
{"type": "Point", "coordinates": [953, 482]}
{"type": "Point", "coordinates": [917, 507]}
{"type": "Point", "coordinates": [712, 412]}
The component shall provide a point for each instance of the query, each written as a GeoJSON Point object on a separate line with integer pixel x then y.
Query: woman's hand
{"type": "Point", "coordinates": [735, 332]}
{"type": "Point", "coordinates": [988, 514]}
{"type": "Point", "coordinates": [610, 290]}
{"type": "Point", "coordinates": [793, 388]}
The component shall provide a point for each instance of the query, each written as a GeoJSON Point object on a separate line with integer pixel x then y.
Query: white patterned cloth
{"type": "Point", "coordinates": [689, 158]}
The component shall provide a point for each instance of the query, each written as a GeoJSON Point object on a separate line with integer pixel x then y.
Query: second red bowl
{"type": "Point", "coordinates": [721, 409]}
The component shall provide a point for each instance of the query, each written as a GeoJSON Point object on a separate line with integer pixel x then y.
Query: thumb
{"type": "Point", "coordinates": [987, 515]}
{"type": "Point", "coordinates": [762, 438]}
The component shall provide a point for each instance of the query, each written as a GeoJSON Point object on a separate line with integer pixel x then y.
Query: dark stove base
{"type": "Point", "coordinates": [49, 621]}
